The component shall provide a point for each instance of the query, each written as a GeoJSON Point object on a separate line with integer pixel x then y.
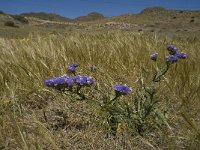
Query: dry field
{"type": "Point", "coordinates": [33, 116]}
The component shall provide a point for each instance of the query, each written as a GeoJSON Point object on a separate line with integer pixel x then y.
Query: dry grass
{"type": "Point", "coordinates": [34, 117]}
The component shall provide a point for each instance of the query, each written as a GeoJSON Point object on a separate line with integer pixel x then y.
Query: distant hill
{"type": "Point", "coordinates": [153, 10]}
{"type": "Point", "coordinates": [47, 16]}
{"type": "Point", "coordinates": [93, 16]}
{"type": "Point", "coordinates": [159, 15]}
{"type": "Point", "coordinates": [152, 16]}
{"type": "Point", "coordinates": [153, 19]}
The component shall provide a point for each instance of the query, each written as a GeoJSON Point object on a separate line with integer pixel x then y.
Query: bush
{"type": "Point", "coordinates": [10, 24]}
{"type": "Point", "coordinates": [192, 20]}
{"type": "Point", "coordinates": [1, 12]}
{"type": "Point", "coordinates": [20, 18]}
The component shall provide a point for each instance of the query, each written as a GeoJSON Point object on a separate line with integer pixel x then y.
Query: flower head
{"type": "Point", "coordinates": [90, 81]}
{"type": "Point", "coordinates": [181, 55]}
{"type": "Point", "coordinates": [70, 81]}
{"type": "Point", "coordinates": [172, 49]}
{"type": "Point", "coordinates": [122, 89]}
{"type": "Point", "coordinates": [72, 67]}
{"type": "Point", "coordinates": [50, 82]}
{"type": "Point", "coordinates": [154, 56]}
{"type": "Point", "coordinates": [84, 80]}
{"type": "Point", "coordinates": [93, 68]}
{"type": "Point", "coordinates": [172, 58]}
{"type": "Point", "coordinates": [58, 82]}
{"type": "Point", "coordinates": [81, 80]}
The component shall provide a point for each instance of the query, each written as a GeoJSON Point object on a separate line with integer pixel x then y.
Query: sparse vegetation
{"type": "Point", "coordinates": [153, 10]}
{"type": "Point", "coordinates": [94, 114]}
{"type": "Point", "coordinates": [35, 117]}
{"type": "Point", "coordinates": [46, 16]}
{"type": "Point", "coordinates": [20, 18]}
{"type": "Point", "coordinates": [94, 16]}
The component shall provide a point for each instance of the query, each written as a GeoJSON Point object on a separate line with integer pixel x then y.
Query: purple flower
{"type": "Point", "coordinates": [70, 81]}
{"type": "Point", "coordinates": [58, 82]}
{"type": "Point", "coordinates": [84, 80]}
{"type": "Point", "coordinates": [81, 80]}
{"type": "Point", "coordinates": [172, 49]}
{"type": "Point", "coordinates": [50, 82]}
{"type": "Point", "coordinates": [181, 55]}
{"type": "Point", "coordinates": [72, 67]}
{"type": "Point", "coordinates": [90, 81]}
{"type": "Point", "coordinates": [122, 89]}
{"type": "Point", "coordinates": [93, 68]}
{"type": "Point", "coordinates": [172, 58]}
{"type": "Point", "coordinates": [154, 56]}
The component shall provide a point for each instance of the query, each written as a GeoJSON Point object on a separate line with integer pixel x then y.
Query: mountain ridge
{"type": "Point", "coordinates": [156, 13]}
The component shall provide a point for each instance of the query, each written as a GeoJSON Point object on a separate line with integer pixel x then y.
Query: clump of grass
{"type": "Point", "coordinates": [119, 56]}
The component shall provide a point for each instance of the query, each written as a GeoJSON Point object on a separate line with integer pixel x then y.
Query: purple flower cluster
{"type": "Point", "coordinates": [57, 82]}
{"type": "Point", "coordinates": [121, 89]}
{"type": "Point", "coordinates": [172, 58]}
{"type": "Point", "coordinates": [172, 49]}
{"type": "Point", "coordinates": [154, 56]}
{"type": "Point", "coordinates": [84, 80]}
{"type": "Point", "coordinates": [175, 54]}
{"type": "Point", "coordinates": [72, 67]}
{"type": "Point", "coordinates": [65, 81]}
{"type": "Point", "coordinates": [181, 55]}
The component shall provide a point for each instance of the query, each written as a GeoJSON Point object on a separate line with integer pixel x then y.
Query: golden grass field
{"type": "Point", "coordinates": [33, 116]}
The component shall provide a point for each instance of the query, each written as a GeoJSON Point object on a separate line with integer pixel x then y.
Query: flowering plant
{"type": "Point", "coordinates": [141, 112]}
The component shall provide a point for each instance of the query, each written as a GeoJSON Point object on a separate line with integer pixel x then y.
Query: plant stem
{"type": "Point", "coordinates": [158, 75]}
{"type": "Point", "coordinates": [113, 99]}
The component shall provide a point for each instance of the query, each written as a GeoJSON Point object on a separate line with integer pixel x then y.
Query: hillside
{"type": "Point", "coordinates": [160, 15]}
{"type": "Point", "coordinates": [94, 16]}
{"type": "Point", "coordinates": [46, 16]}
{"type": "Point", "coordinates": [152, 16]}
{"type": "Point", "coordinates": [155, 19]}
